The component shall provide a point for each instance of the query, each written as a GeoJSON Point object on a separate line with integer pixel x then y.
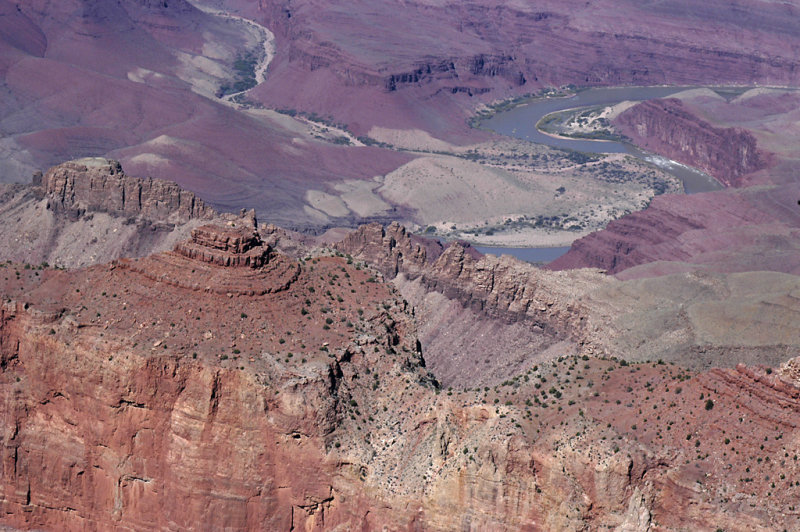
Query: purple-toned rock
{"type": "Point", "coordinates": [668, 128]}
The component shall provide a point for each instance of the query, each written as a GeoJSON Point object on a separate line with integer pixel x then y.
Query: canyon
{"type": "Point", "coordinates": [752, 225]}
{"type": "Point", "coordinates": [235, 294]}
{"type": "Point", "coordinates": [335, 115]}
{"type": "Point", "coordinates": [336, 401]}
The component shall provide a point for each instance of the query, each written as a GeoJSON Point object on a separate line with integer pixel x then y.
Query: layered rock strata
{"type": "Point", "coordinates": [501, 287]}
{"type": "Point", "coordinates": [224, 259]}
{"type": "Point", "coordinates": [728, 231]}
{"type": "Point", "coordinates": [676, 317]}
{"type": "Point", "coordinates": [225, 246]}
{"type": "Point", "coordinates": [106, 427]}
{"type": "Point", "coordinates": [135, 397]}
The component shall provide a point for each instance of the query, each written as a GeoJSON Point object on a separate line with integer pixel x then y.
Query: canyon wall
{"type": "Point", "coordinates": [202, 390]}
{"type": "Point", "coordinates": [667, 128]}
{"type": "Point", "coordinates": [108, 428]}
{"type": "Point", "coordinates": [482, 51]}
{"type": "Point", "coordinates": [750, 229]}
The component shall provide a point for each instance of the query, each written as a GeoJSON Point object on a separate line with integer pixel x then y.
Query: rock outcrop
{"type": "Point", "coordinates": [88, 211]}
{"type": "Point", "coordinates": [100, 185]}
{"type": "Point", "coordinates": [392, 249]}
{"type": "Point", "coordinates": [230, 245]}
{"type": "Point", "coordinates": [449, 72]}
{"type": "Point", "coordinates": [223, 259]}
{"type": "Point", "coordinates": [503, 288]}
{"type": "Point", "coordinates": [668, 128]}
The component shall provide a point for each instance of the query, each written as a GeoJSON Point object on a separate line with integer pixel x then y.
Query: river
{"type": "Point", "coordinates": [520, 122]}
{"type": "Point", "coordinates": [533, 255]}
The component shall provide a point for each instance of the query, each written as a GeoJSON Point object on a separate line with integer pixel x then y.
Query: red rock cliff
{"type": "Point", "coordinates": [133, 398]}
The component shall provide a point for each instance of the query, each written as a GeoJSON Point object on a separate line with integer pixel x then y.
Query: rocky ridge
{"type": "Point", "coordinates": [580, 311]}
{"type": "Point", "coordinates": [500, 287]}
{"type": "Point", "coordinates": [100, 185]}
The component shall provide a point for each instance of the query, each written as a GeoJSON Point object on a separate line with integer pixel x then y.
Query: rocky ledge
{"type": "Point", "coordinates": [500, 288]}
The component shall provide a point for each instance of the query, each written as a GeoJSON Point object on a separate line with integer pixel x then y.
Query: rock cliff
{"type": "Point", "coordinates": [199, 389]}
{"type": "Point", "coordinates": [750, 229]}
{"type": "Point", "coordinates": [668, 128]}
{"type": "Point", "coordinates": [87, 211]}
{"type": "Point", "coordinates": [100, 185]}
{"type": "Point", "coordinates": [121, 416]}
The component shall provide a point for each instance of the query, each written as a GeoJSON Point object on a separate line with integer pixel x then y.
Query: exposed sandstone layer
{"type": "Point", "coordinates": [668, 128]}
